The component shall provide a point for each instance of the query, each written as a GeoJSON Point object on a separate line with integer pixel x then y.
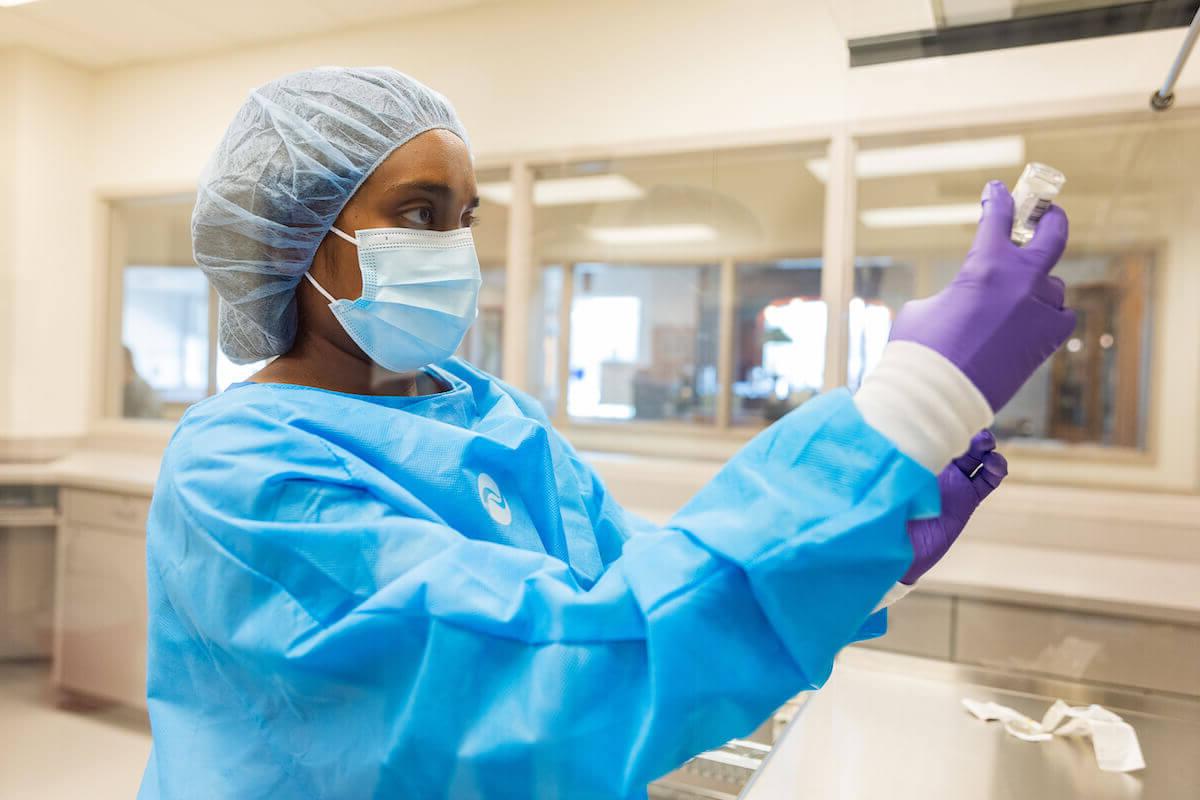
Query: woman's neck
{"type": "Point", "coordinates": [322, 364]}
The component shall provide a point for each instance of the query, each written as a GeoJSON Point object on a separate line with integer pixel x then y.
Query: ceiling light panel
{"type": "Point", "coordinates": [568, 191]}
{"type": "Point", "coordinates": [653, 234]}
{"type": "Point", "coordinates": [955, 156]}
{"type": "Point", "coordinates": [921, 216]}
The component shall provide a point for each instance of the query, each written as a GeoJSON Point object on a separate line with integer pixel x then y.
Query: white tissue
{"type": "Point", "coordinates": [1113, 739]}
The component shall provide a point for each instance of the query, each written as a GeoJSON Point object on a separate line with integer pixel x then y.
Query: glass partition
{"type": "Point", "coordinates": [1128, 183]}
{"type": "Point", "coordinates": [161, 359]}
{"type": "Point", "coordinates": [165, 356]}
{"type": "Point", "coordinates": [685, 270]}
{"type": "Point", "coordinates": [643, 342]}
{"type": "Point", "coordinates": [483, 343]}
{"type": "Point", "coordinates": [778, 339]}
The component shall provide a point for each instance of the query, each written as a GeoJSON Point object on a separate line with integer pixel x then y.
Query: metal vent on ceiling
{"type": "Point", "coordinates": [1024, 22]}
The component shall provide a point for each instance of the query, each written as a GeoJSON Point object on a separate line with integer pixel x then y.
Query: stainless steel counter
{"type": "Point", "coordinates": [890, 727]}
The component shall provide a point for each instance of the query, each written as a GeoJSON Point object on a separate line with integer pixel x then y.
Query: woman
{"type": "Point", "coordinates": [377, 572]}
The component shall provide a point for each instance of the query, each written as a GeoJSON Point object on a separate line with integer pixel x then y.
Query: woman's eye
{"type": "Point", "coordinates": [419, 216]}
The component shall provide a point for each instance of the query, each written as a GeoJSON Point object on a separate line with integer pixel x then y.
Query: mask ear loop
{"type": "Point", "coordinates": [345, 236]}
{"type": "Point", "coordinates": [320, 288]}
{"type": "Point", "coordinates": [313, 280]}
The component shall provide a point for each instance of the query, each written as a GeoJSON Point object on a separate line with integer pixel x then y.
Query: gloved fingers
{"type": "Point", "coordinates": [995, 226]}
{"type": "Point", "coordinates": [982, 443]}
{"type": "Point", "coordinates": [969, 462]}
{"type": "Point", "coordinates": [1052, 291]}
{"type": "Point", "coordinates": [1065, 326]}
{"type": "Point", "coordinates": [995, 469]}
{"type": "Point", "coordinates": [1050, 239]}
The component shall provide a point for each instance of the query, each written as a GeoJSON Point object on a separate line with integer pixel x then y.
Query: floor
{"type": "Point", "coordinates": [51, 753]}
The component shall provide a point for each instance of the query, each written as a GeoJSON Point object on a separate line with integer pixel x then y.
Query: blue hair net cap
{"type": "Point", "coordinates": [294, 155]}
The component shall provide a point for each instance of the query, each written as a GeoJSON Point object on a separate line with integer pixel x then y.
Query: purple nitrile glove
{"type": "Point", "coordinates": [1003, 314]}
{"type": "Point", "coordinates": [969, 478]}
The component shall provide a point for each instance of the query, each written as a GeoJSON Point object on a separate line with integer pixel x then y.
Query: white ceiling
{"type": "Point", "coordinates": [862, 19]}
{"type": "Point", "coordinates": [105, 33]}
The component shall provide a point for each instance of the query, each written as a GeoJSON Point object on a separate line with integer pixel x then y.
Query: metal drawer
{"type": "Point", "coordinates": [918, 625]}
{"type": "Point", "coordinates": [1087, 647]}
{"type": "Point", "coordinates": [118, 512]}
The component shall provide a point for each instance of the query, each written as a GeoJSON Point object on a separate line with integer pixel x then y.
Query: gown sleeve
{"type": "Point", "coordinates": [332, 647]}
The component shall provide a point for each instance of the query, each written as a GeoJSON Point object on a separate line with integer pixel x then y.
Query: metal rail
{"type": "Point", "coordinates": [1164, 98]}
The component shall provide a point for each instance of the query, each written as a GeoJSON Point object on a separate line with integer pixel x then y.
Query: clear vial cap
{"type": "Point", "coordinates": [1034, 193]}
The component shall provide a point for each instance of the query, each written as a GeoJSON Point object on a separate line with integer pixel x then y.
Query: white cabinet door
{"type": "Point", "coordinates": [103, 614]}
{"type": "Point", "coordinates": [118, 512]}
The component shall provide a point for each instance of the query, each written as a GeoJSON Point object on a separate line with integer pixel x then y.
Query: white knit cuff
{"type": "Point", "coordinates": [922, 402]}
{"type": "Point", "coordinates": [894, 594]}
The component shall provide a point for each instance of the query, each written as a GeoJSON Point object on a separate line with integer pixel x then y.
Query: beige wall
{"type": "Point", "coordinates": [525, 76]}
{"type": "Point", "coordinates": [544, 76]}
{"type": "Point", "coordinates": [8, 189]}
{"type": "Point", "coordinates": [46, 277]}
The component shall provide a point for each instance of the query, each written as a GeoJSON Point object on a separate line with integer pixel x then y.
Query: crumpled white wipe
{"type": "Point", "coordinates": [1113, 739]}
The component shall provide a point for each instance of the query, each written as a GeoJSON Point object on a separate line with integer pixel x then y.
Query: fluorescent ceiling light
{"type": "Point", "coordinates": [654, 234]}
{"type": "Point", "coordinates": [1002, 151]}
{"type": "Point", "coordinates": [567, 191]}
{"type": "Point", "coordinates": [921, 216]}
{"type": "Point", "coordinates": [12, 3]}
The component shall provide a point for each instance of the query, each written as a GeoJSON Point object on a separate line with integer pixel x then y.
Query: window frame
{"type": "Point", "coordinates": [110, 398]}
{"type": "Point", "coordinates": [560, 416]}
{"type": "Point", "coordinates": [1081, 464]}
{"type": "Point", "coordinates": [721, 439]}
{"type": "Point", "coordinates": [1163, 464]}
{"type": "Point", "coordinates": [1062, 464]}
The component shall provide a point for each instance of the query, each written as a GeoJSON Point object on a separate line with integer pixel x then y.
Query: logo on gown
{"type": "Point", "coordinates": [493, 501]}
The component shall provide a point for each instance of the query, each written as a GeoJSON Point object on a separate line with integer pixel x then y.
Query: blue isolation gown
{"type": "Point", "coordinates": [434, 597]}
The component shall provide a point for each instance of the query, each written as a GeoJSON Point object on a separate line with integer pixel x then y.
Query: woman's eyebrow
{"type": "Point", "coordinates": [429, 187]}
{"type": "Point", "coordinates": [432, 187]}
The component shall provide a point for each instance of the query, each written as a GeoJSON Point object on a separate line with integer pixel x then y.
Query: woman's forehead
{"type": "Point", "coordinates": [434, 157]}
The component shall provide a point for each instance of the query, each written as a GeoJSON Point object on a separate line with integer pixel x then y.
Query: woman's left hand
{"type": "Point", "coordinates": [964, 484]}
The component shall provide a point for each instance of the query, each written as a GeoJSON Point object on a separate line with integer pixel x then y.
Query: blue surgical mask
{"type": "Point", "coordinates": [420, 294]}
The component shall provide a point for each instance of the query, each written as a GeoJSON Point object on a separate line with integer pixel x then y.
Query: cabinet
{"type": "Point", "coordinates": [101, 640]}
{"type": "Point", "coordinates": [27, 520]}
{"type": "Point", "coordinates": [1133, 653]}
{"type": "Point", "coordinates": [919, 625]}
{"type": "Point", "coordinates": [1121, 651]}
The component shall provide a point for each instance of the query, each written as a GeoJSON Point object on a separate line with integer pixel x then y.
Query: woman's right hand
{"type": "Point", "coordinates": [1003, 314]}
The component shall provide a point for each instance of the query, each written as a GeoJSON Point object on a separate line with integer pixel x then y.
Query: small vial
{"type": "Point", "coordinates": [1034, 192]}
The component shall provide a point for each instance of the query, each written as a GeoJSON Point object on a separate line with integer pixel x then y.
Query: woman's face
{"type": "Point", "coordinates": [427, 184]}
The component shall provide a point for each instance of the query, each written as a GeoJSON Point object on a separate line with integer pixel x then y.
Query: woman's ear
{"type": "Point", "coordinates": [335, 267]}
